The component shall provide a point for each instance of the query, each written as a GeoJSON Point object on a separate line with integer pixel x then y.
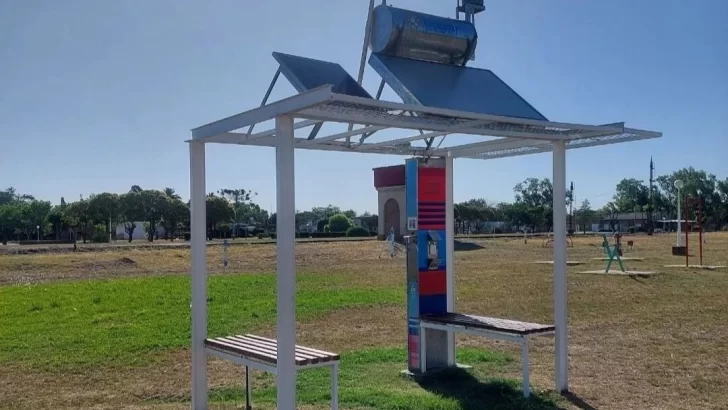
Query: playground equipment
{"type": "Point", "coordinates": [440, 99]}
{"type": "Point", "coordinates": [613, 253]}
{"type": "Point", "coordinates": [693, 201]}
{"type": "Point", "coordinates": [688, 202]}
{"type": "Point", "coordinates": [617, 249]}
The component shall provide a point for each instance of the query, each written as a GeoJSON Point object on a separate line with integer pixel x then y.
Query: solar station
{"type": "Point", "coordinates": [447, 110]}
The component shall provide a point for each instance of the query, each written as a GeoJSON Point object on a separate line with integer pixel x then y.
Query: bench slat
{"type": "Point", "coordinates": [237, 351]}
{"type": "Point", "coordinates": [320, 353]}
{"type": "Point", "coordinates": [272, 348]}
{"type": "Point", "coordinates": [266, 350]}
{"type": "Point", "coordinates": [488, 323]}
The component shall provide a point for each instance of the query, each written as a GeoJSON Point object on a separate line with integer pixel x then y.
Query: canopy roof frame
{"type": "Point", "coordinates": [516, 137]}
{"type": "Point", "coordinates": [321, 105]}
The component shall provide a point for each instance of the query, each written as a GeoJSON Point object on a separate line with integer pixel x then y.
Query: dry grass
{"type": "Point", "coordinates": [655, 342]}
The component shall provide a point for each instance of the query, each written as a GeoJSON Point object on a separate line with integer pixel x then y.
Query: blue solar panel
{"type": "Point", "coordinates": [306, 74]}
{"type": "Point", "coordinates": [452, 87]}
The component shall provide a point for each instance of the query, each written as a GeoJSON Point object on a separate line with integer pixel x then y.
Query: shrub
{"type": "Point", "coordinates": [99, 234]}
{"type": "Point", "coordinates": [356, 232]}
{"type": "Point", "coordinates": [339, 223]}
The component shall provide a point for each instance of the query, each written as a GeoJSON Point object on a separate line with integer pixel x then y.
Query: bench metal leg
{"type": "Point", "coordinates": [247, 388]}
{"type": "Point", "coordinates": [423, 350]}
{"type": "Point", "coordinates": [525, 368]}
{"type": "Point", "coordinates": [335, 387]}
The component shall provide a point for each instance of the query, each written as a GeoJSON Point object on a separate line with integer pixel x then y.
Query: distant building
{"type": "Point", "coordinates": [139, 232]}
{"type": "Point", "coordinates": [626, 221]}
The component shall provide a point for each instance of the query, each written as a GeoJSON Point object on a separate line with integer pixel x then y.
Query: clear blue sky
{"type": "Point", "coordinates": [100, 95]}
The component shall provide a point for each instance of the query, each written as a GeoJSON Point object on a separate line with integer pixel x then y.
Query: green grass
{"type": "Point", "coordinates": [371, 379]}
{"type": "Point", "coordinates": [119, 322]}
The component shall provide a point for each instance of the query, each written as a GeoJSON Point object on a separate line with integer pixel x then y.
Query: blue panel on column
{"type": "Point", "coordinates": [442, 250]}
{"type": "Point", "coordinates": [410, 182]}
{"type": "Point", "coordinates": [422, 243]}
{"type": "Point", "coordinates": [433, 304]}
{"type": "Point", "coordinates": [413, 300]}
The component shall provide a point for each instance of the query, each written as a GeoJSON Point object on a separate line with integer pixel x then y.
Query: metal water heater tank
{"type": "Point", "coordinates": [420, 36]}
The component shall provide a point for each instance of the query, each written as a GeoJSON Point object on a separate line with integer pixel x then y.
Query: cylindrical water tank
{"type": "Point", "coordinates": [409, 34]}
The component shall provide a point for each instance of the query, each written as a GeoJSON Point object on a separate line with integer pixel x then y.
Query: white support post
{"type": "Point", "coordinates": [335, 387]}
{"type": "Point", "coordinates": [286, 263]}
{"type": "Point", "coordinates": [560, 289]}
{"type": "Point", "coordinates": [450, 252]}
{"type": "Point", "coordinates": [198, 239]}
{"type": "Point", "coordinates": [525, 368]}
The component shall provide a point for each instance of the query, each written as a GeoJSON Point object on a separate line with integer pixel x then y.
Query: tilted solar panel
{"type": "Point", "coordinates": [306, 74]}
{"type": "Point", "coordinates": [452, 87]}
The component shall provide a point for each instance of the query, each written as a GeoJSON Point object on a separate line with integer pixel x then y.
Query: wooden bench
{"type": "Point", "coordinates": [502, 329]}
{"type": "Point", "coordinates": [262, 353]}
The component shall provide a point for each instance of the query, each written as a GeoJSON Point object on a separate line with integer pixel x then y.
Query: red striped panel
{"type": "Point", "coordinates": [431, 184]}
{"type": "Point", "coordinates": [431, 227]}
{"type": "Point", "coordinates": [433, 283]}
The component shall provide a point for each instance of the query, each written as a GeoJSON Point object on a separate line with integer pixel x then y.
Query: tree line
{"type": "Point", "coordinates": [230, 213]}
{"type": "Point", "coordinates": [23, 217]}
{"type": "Point", "coordinates": [532, 207]}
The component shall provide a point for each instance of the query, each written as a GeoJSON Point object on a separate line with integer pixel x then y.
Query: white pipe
{"type": "Point", "coordinates": [198, 240]}
{"type": "Point", "coordinates": [450, 252]}
{"type": "Point", "coordinates": [286, 264]}
{"type": "Point", "coordinates": [560, 288]}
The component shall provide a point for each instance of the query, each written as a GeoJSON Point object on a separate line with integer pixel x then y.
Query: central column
{"type": "Point", "coordinates": [285, 263]}
{"type": "Point", "coordinates": [427, 291]}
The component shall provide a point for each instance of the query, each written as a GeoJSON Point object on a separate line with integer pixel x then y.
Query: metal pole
{"type": "Point", "coordinates": [362, 62]}
{"type": "Point", "coordinates": [450, 251]}
{"type": "Point", "coordinates": [247, 389]}
{"type": "Point", "coordinates": [560, 289]}
{"type": "Point", "coordinates": [687, 228]}
{"type": "Point", "coordinates": [679, 215]}
{"type": "Point", "coordinates": [198, 240]}
{"type": "Point", "coordinates": [267, 95]}
{"type": "Point", "coordinates": [700, 226]}
{"type": "Point", "coordinates": [286, 263]}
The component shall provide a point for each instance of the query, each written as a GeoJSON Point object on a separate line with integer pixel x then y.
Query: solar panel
{"type": "Point", "coordinates": [452, 87]}
{"type": "Point", "coordinates": [306, 74]}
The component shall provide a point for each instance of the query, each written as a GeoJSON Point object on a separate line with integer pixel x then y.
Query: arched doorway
{"type": "Point", "coordinates": [391, 217]}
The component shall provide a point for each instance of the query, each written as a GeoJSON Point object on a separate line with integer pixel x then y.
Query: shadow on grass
{"type": "Point", "coordinates": [578, 402]}
{"type": "Point", "coordinates": [461, 246]}
{"type": "Point", "coordinates": [472, 394]}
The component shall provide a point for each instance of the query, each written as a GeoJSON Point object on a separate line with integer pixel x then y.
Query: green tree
{"type": "Point", "coordinates": [176, 217]}
{"type": "Point", "coordinates": [105, 209]}
{"type": "Point", "coordinates": [79, 218]}
{"type": "Point", "coordinates": [219, 211]}
{"type": "Point", "coordinates": [586, 214]}
{"type": "Point", "coordinates": [339, 223]}
{"type": "Point", "coordinates": [632, 195]}
{"type": "Point", "coordinates": [10, 220]}
{"type": "Point", "coordinates": [55, 218]}
{"type": "Point", "coordinates": [696, 183]}
{"type": "Point", "coordinates": [251, 211]}
{"type": "Point", "coordinates": [537, 198]}
{"type": "Point", "coordinates": [722, 190]}
{"type": "Point", "coordinates": [154, 204]}
{"type": "Point", "coordinates": [171, 194]}
{"type": "Point", "coordinates": [131, 211]}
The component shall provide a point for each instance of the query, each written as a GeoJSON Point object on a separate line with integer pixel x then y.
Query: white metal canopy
{"type": "Point", "coordinates": [514, 136]}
